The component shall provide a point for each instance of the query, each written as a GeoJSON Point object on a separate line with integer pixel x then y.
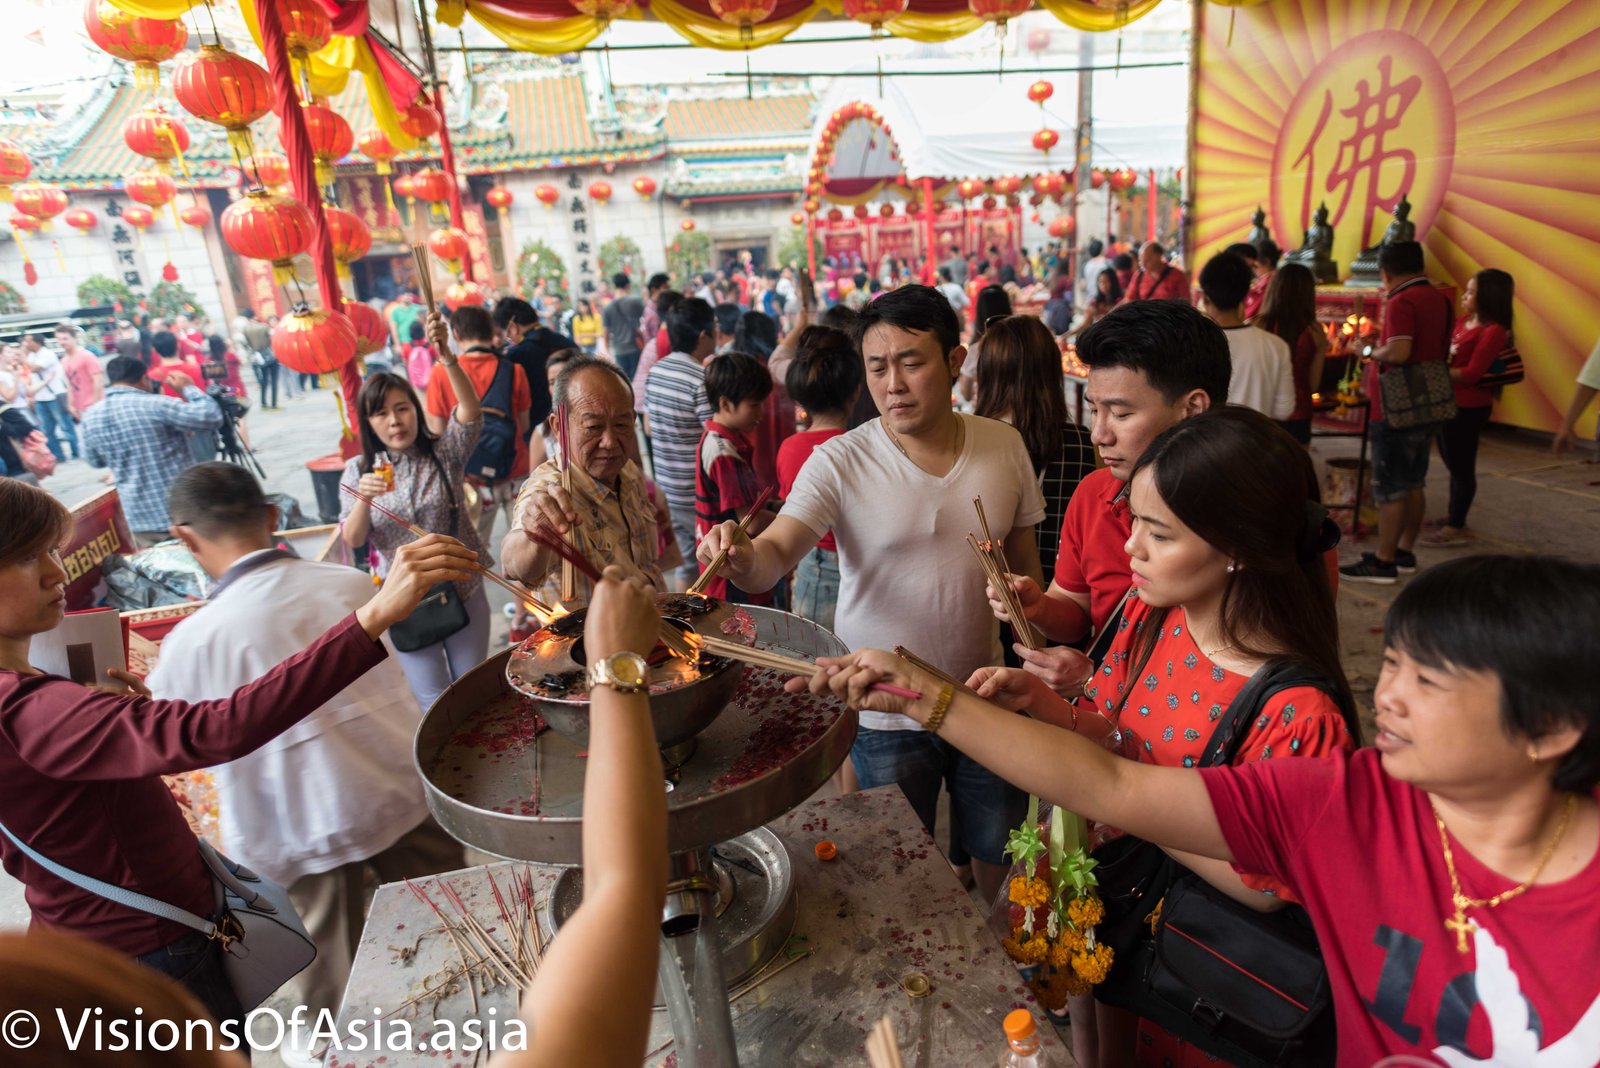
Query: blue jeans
{"type": "Point", "coordinates": [267, 383]}
{"type": "Point", "coordinates": [1399, 459]}
{"type": "Point", "coordinates": [195, 961]}
{"type": "Point", "coordinates": [816, 586]}
{"type": "Point", "coordinates": [983, 807]}
{"type": "Point", "coordinates": [53, 414]}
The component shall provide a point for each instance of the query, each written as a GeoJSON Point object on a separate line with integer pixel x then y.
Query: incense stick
{"type": "Point", "coordinates": [419, 253]}
{"type": "Point", "coordinates": [569, 578]}
{"type": "Point", "coordinates": [883, 1048]}
{"type": "Point", "coordinates": [517, 590]}
{"type": "Point", "coordinates": [699, 585]}
{"type": "Point", "coordinates": [789, 665]}
{"type": "Point", "coordinates": [928, 669]}
{"type": "Point", "coordinates": [992, 555]}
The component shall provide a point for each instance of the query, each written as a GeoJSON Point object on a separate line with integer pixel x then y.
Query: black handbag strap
{"type": "Point", "coordinates": [1269, 680]}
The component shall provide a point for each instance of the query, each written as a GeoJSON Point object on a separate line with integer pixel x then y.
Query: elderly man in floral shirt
{"type": "Point", "coordinates": [609, 508]}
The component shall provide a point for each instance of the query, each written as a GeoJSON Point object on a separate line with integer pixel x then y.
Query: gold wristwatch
{"type": "Point", "coordinates": [625, 672]}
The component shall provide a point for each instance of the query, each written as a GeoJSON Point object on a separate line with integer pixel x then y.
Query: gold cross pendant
{"type": "Point", "coordinates": [1462, 927]}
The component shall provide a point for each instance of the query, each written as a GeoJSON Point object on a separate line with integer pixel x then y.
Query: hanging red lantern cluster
{"type": "Point", "coordinates": [40, 201]}
{"type": "Point", "coordinates": [374, 144]}
{"type": "Point", "coordinates": [420, 120]}
{"type": "Point", "coordinates": [146, 43]}
{"type": "Point", "coordinates": [968, 188]}
{"type": "Point", "coordinates": [645, 186]}
{"type": "Point", "coordinates": [1006, 187]}
{"type": "Point", "coordinates": [600, 192]}
{"type": "Point", "coordinates": [349, 237]}
{"type": "Point", "coordinates": [434, 187]}
{"type": "Point", "coordinates": [1123, 179]}
{"type": "Point", "coordinates": [15, 166]}
{"type": "Point", "coordinates": [81, 219]}
{"type": "Point", "coordinates": [226, 89]}
{"type": "Point", "coordinates": [313, 342]}
{"type": "Point", "coordinates": [267, 226]}
{"type": "Point", "coordinates": [874, 12]}
{"type": "Point", "coordinates": [331, 138]}
{"type": "Point", "coordinates": [372, 333]}
{"type": "Point", "coordinates": [745, 14]}
{"type": "Point", "coordinates": [547, 195]}
{"type": "Point", "coordinates": [154, 134]}
{"type": "Point", "coordinates": [450, 245]}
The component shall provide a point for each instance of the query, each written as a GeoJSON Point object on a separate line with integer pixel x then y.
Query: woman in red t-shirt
{"type": "Point", "coordinates": [1483, 333]}
{"type": "Point", "coordinates": [1289, 309]}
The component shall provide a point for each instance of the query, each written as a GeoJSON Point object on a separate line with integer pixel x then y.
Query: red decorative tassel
{"type": "Point", "coordinates": [169, 272]}
{"type": "Point", "coordinates": [30, 273]}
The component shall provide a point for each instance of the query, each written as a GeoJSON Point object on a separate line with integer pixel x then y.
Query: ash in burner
{"type": "Point", "coordinates": [558, 685]}
{"type": "Point", "coordinates": [687, 604]}
{"type": "Point", "coordinates": [568, 626]}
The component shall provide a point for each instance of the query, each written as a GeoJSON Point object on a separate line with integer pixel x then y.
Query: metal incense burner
{"type": "Point", "coordinates": [739, 751]}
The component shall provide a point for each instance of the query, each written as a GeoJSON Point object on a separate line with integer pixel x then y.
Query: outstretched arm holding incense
{"type": "Point", "coordinates": [1168, 806]}
{"type": "Point", "coordinates": [756, 566]}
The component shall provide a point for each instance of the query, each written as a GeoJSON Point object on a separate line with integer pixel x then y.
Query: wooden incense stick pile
{"type": "Point", "coordinates": [517, 590]}
{"type": "Point", "coordinates": [509, 955]}
{"type": "Point", "coordinates": [883, 1048]}
{"type": "Point", "coordinates": [788, 665]}
{"type": "Point", "coordinates": [419, 254]}
{"type": "Point", "coordinates": [992, 556]}
{"type": "Point", "coordinates": [698, 586]}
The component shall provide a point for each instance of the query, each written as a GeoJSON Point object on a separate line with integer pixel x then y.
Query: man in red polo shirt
{"type": "Point", "coordinates": [1151, 366]}
{"type": "Point", "coordinates": [1157, 279]}
{"type": "Point", "coordinates": [1417, 323]}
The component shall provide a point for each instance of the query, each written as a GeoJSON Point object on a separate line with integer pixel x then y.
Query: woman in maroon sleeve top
{"type": "Point", "coordinates": [1482, 334]}
{"type": "Point", "coordinates": [81, 767]}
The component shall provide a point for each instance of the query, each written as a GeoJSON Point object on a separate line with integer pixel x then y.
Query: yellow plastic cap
{"type": "Point", "coordinates": [1019, 1025]}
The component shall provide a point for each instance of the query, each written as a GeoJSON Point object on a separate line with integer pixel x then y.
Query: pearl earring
{"type": "Point", "coordinates": [1232, 568]}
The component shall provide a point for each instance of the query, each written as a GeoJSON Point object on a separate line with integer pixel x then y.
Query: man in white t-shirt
{"type": "Point", "coordinates": [333, 797]}
{"type": "Point", "coordinates": [897, 493]}
{"type": "Point", "coordinates": [1263, 367]}
{"type": "Point", "coordinates": [48, 390]}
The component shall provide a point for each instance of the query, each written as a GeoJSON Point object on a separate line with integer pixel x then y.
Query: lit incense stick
{"type": "Point", "coordinates": [699, 585]}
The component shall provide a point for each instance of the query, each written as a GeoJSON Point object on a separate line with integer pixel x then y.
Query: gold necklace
{"type": "Point", "coordinates": [1460, 925]}
{"type": "Point", "coordinates": [960, 430]}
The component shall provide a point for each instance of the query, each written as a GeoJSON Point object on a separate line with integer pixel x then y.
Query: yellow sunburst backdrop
{"type": "Point", "coordinates": [1483, 112]}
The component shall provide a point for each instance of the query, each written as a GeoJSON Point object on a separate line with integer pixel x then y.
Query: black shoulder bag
{"type": "Point", "coordinates": [1247, 986]}
{"type": "Point", "coordinates": [441, 612]}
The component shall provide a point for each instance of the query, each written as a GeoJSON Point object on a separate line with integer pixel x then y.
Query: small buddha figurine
{"type": "Point", "coordinates": [1317, 250]}
{"type": "Point", "coordinates": [1364, 271]}
{"type": "Point", "coordinates": [1258, 227]}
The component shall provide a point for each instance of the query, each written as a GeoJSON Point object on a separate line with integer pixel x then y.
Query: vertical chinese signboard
{"type": "Point", "coordinates": [1484, 122]}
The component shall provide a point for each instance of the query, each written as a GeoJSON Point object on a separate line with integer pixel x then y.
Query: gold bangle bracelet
{"type": "Point", "coordinates": [941, 705]}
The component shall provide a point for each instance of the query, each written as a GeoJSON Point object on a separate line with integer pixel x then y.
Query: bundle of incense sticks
{"type": "Point", "coordinates": [419, 254]}
{"type": "Point", "coordinates": [669, 635]}
{"type": "Point", "coordinates": [517, 590]}
{"type": "Point", "coordinates": [569, 577]}
{"type": "Point", "coordinates": [788, 665]}
{"type": "Point", "coordinates": [883, 1048]}
{"type": "Point", "coordinates": [482, 954]}
{"type": "Point", "coordinates": [699, 585]}
{"type": "Point", "coordinates": [922, 665]}
{"type": "Point", "coordinates": [992, 556]}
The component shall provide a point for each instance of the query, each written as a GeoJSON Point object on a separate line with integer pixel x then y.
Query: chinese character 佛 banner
{"type": "Point", "coordinates": [1482, 115]}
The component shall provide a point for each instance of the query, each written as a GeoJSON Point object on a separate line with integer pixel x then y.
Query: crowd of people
{"type": "Point", "coordinates": [1166, 554]}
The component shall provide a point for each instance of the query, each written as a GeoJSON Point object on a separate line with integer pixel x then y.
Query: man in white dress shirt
{"type": "Point", "coordinates": [333, 796]}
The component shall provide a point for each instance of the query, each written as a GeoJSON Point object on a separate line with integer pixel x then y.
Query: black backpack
{"type": "Point", "coordinates": [496, 450]}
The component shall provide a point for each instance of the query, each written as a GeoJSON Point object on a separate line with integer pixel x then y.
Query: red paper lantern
{"type": "Point", "coordinates": [835, 215]}
{"type": "Point", "coordinates": [196, 215]}
{"type": "Point", "coordinates": [1007, 186]}
{"type": "Point", "coordinates": [306, 27]}
{"type": "Point", "coordinates": [271, 168]}
{"type": "Point", "coordinates": [1040, 183]}
{"type": "Point", "coordinates": [26, 223]}
{"type": "Point", "coordinates": [151, 188]}
{"type": "Point", "coordinates": [969, 188]}
{"type": "Point", "coordinates": [434, 187]}
{"type": "Point", "coordinates": [1040, 91]}
{"type": "Point", "coordinates": [268, 226]}
{"type": "Point", "coordinates": [1061, 226]}
{"type": "Point", "coordinates": [810, 207]}
{"type": "Point", "coordinates": [499, 198]}
{"type": "Point", "coordinates": [547, 195]}
{"type": "Point", "coordinates": [420, 120]}
{"type": "Point", "coordinates": [1097, 178]}
{"type": "Point", "coordinates": [314, 342]}
{"type": "Point", "coordinates": [998, 12]}
{"type": "Point", "coordinates": [1055, 184]}
{"type": "Point", "coordinates": [1046, 139]}
{"type": "Point", "coordinates": [990, 203]}
{"type": "Point", "coordinates": [81, 219]}
{"type": "Point", "coordinates": [744, 14]}
{"type": "Point", "coordinates": [30, 273]}
{"type": "Point", "coordinates": [169, 272]}
{"type": "Point", "coordinates": [225, 88]}
{"type": "Point", "coordinates": [687, 225]}
{"type": "Point", "coordinates": [156, 135]}
{"type": "Point", "coordinates": [138, 216]}
{"type": "Point", "coordinates": [797, 218]}
{"type": "Point", "coordinates": [146, 43]}
{"type": "Point", "coordinates": [874, 12]}
{"type": "Point", "coordinates": [349, 236]}
{"type": "Point", "coordinates": [450, 245]}
{"type": "Point", "coordinates": [15, 166]}
{"type": "Point", "coordinates": [331, 138]}
{"type": "Point", "coordinates": [645, 186]}
{"type": "Point", "coordinates": [374, 144]}
{"type": "Point", "coordinates": [1123, 180]}
{"type": "Point", "coordinates": [372, 333]}
{"type": "Point", "coordinates": [1036, 199]}
{"type": "Point", "coordinates": [886, 211]}
{"type": "Point", "coordinates": [604, 10]}
{"type": "Point", "coordinates": [406, 186]}
{"type": "Point", "coordinates": [861, 211]}
{"type": "Point", "coordinates": [600, 192]}
{"type": "Point", "coordinates": [41, 201]}
{"type": "Point", "coordinates": [461, 293]}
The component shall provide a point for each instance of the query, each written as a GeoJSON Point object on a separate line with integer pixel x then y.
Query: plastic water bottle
{"type": "Point", "coordinates": [1024, 1050]}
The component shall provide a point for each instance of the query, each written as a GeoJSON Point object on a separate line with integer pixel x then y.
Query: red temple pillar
{"type": "Point", "coordinates": [930, 253]}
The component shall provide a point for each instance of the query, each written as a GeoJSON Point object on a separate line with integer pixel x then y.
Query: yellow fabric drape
{"type": "Point", "coordinates": [156, 9]}
{"type": "Point", "coordinates": [544, 36]}
{"type": "Point", "coordinates": [1089, 16]}
{"type": "Point", "coordinates": [931, 29]}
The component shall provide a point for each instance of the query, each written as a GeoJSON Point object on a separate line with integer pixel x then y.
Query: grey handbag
{"type": "Point", "coordinates": [263, 939]}
{"type": "Point", "coordinates": [1417, 394]}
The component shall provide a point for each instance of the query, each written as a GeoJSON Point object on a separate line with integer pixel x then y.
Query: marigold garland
{"type": "Point", "coordinates": [1059, 882]}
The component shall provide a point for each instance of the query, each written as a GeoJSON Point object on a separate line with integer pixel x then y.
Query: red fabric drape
{"type": "Point", "coordinates": [303, 173]}
{"type": "Point", "coordinates": [349, 17]}
{"type": "Point", "coordinates": [403, 86]}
